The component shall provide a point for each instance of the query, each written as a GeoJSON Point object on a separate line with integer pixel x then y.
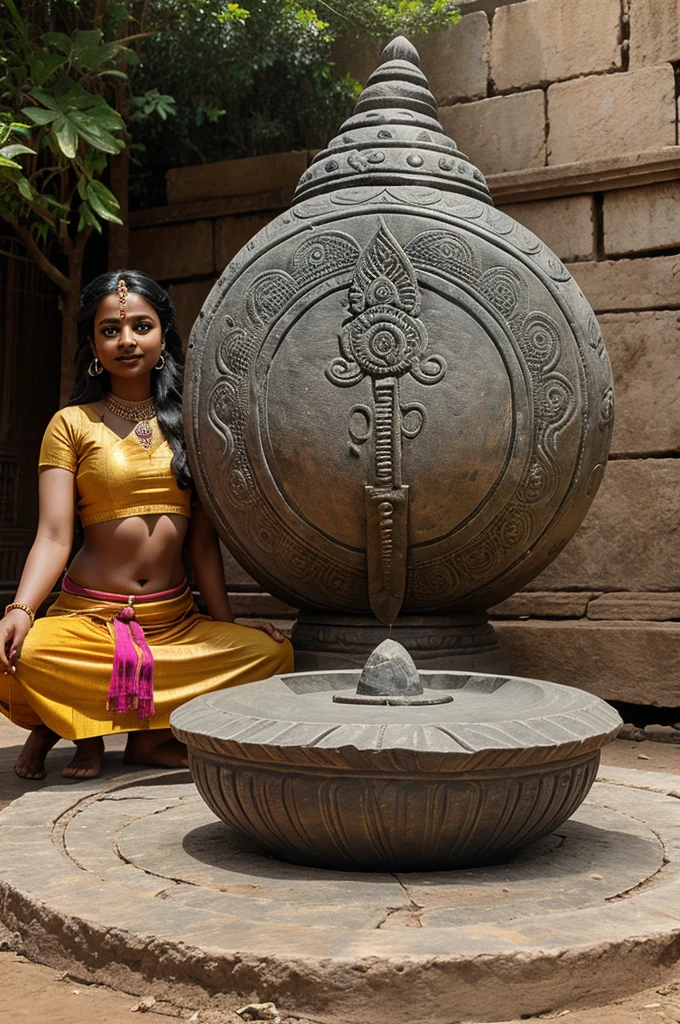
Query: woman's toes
{"type": "Point", "coordinates": [25, 771]}
{"type": "Point", "coordinates": [31, 761]}
{"type": "Point", "coordinates": [87, 760]}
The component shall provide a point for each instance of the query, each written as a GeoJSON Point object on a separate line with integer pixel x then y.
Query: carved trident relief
{"type": "Point", "coordinates": [384, 340]}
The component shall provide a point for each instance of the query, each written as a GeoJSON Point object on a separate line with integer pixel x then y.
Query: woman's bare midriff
{"type": "Point", "coordinates": [137, 555]}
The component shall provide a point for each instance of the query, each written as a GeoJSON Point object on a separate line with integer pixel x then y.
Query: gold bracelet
{"type": "Point", "coordinates": [21, 607]}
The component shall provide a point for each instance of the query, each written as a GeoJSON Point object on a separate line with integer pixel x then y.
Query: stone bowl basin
{"type": "Point", "coordinates": [378, 786]}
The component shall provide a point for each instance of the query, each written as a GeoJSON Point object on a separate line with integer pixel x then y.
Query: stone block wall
{"type": "Point", "coordinates": [213, 211]}
{"type": "Point", "coordinates": [577, 134]}
{"type": "Point", "coordinates": [570, 108]}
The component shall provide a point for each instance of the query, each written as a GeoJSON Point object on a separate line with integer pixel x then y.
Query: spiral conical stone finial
{"type": "Point", "coordinates": [393, 137]}
{"type": "Point", "coordinates": [400, 48]}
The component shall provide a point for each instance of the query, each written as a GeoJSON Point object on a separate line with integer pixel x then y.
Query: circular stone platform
{"type": "Point", "coordinates": [134, 883]}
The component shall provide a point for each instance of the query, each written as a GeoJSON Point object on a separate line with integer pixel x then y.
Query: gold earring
{"type": "Point", "coordinates": [161, 363]}
{"type": "Point", "coordinates": [95, 368]}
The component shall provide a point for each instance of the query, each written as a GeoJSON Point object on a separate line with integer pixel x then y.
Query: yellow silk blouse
{"type": "Point", "coordinates": [115, 477]}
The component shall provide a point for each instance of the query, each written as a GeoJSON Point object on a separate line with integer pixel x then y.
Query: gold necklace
{"type": "Point", "coordinates": [136, 412]}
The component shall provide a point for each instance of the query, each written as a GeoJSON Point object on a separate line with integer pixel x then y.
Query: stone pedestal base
{"type": "Point", "coordinates": [331, 640]}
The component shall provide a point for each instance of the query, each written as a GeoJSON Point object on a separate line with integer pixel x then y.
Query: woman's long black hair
{"type": "Point", "coordinates": [166, 384]}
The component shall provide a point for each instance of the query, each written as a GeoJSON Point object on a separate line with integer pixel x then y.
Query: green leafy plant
{"type": "Point", "coordinates": [59, 129]}
{"type": "Point", "coordinates": [255, 77]}
{"type": "Point", "coordinates": [88, 85]}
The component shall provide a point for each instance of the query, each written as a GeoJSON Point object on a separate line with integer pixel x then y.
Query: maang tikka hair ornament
{"type": "Point", "coordinates": [122, 298]}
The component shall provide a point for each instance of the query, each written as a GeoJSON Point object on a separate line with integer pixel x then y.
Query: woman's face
{"type": "Point", "coordinates": [130, 347]}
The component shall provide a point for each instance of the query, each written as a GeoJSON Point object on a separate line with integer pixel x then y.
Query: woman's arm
{"type": "Point", "coordinates": [206, 561]}
{"type": "Point", "coordinates": [46, 559]}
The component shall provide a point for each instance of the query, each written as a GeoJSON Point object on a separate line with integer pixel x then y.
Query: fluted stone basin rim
{"type": "Point", "coordinates": [492, 722]}
{"type": "Point", "coordinates": [385, 787]}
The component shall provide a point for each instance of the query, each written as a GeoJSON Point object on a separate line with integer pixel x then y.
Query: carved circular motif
{"type": "Point", "coordinates": [386, 340]}
{"type": "Point", "coordinates": [400, 387]}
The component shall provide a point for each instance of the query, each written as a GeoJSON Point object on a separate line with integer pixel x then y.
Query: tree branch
{"type": "Point", "coordinates": [64, 238]}
{"type": "Point", "coordinates": [138, 35]}
{"type": "Point", "coordinates": [41, 259]}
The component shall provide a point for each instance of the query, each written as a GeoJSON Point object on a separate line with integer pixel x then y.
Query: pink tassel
{"type": "Point", "coordinates": [145, 707]}
{"type": "Point", "coordinates": [131, 684]}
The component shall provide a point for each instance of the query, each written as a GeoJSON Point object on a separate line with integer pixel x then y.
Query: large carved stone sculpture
{"type": "Point", "coordinates": [399, 403]}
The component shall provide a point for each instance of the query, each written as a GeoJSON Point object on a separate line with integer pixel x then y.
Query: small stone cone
{"type": "Point", "coordinates": [393, 138]}
{"type": "Point", "coordinates": [390, 672]}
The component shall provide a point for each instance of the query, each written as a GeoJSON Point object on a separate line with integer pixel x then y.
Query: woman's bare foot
{"type": "Point", "coordinates": [86, 763]}
{"type": "Point", "coordinates": [31, 761]}
{"type": "Point", "coordinates": [157, 747]}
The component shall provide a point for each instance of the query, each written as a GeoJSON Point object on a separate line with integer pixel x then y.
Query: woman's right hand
{"type": "Point", "coordinates": [13, 631]}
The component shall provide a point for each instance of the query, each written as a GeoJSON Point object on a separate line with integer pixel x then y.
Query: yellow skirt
{"type": "Point", "coordinates": [64, 668]}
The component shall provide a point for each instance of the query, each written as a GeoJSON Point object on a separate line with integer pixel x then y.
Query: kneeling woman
{"type": "Point", "coordinates": [124, 644]}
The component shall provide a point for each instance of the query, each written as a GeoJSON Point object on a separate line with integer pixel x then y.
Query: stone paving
{"type": "Point", "coordinates": [133, 880]}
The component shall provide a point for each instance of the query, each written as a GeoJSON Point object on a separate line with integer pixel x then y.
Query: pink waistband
{"type": "Point", "coordinates": [70, 587]}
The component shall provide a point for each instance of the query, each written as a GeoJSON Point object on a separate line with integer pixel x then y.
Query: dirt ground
{"type": "Point", "coordinates": [33, 994]}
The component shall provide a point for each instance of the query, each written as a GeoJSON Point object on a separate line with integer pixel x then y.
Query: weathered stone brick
{"type": "Point", "coordinates": [188, 299]}
{"type": "Point", "coordinates": [174, 251]}
{"type": "Point", "coordinates": [645, 352]}
{"type": "Point", "coordinates": [606, 115]}
{"type": "Point", "coordinates": [544, 604]}
{"type": "Point", "coordinates": [630, 539]}
{"type": "Point", "coordinates": [456, 59]}
{"type": "Point", "coordinates": [566, 225]}
{"type": "Point", "coordinates": [543, 41]}
{"type": "Point", "coordinates": [651, 283]}
{"type": "Point", "coordinates": [638, 606]}
{"type": "Point", "coordinates": [504, 133]}
{"type": "Point", "coordinates": [236, 177]}
{"type": "Point", "coordinates": [628, 661]}
{"type": "Point", "coordinates": [654, 31]}
{"type": "Point", "coordinates": [642, 219]}
{"type": "Point", "coordinates": [232, 233]}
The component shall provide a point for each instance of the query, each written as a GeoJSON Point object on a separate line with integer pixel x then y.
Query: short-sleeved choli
{"type": "Point", "coordinates": [115, 477]}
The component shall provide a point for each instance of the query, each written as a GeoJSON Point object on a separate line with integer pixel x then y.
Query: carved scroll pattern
{"type": "Point", "coordinates": [230, 405]}
{"type": "Point", "coordinates": [478, 562]}
{"type": "Point", "coordinates": [384, 338]}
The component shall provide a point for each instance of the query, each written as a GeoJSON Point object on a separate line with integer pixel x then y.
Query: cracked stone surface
{"type": "Point", "coordinates": [134, 880]}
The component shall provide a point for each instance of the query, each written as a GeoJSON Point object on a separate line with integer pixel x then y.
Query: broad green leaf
{"type": "Point", "coordinates": [114, 74]}
{"type": "Point", "coordinates": [40, 116]}
{"type": "Point", "coordinates": [25, 189]}
{"type": "Point", "coordinates": [82, 188]}
{"type": "Point", "coordinates": [94, 57]}
{"type": "Point", "coordinates": [15, 149]}
{"type": "Point", "coordinates": [87, 39]}
{"type": "Point", "coordinates": [106, 117]}
{"type": "Point", "coordinates": [67, 137]}
{"type": "Point", "coordinates": [47, 101]}
{"type": "Point", "coordinates": [95, 135]}
{"type": "Point", "coordinates": [101, 210]}
{"type": "Point", "coordinates": [130, 57]}
{"type": "Point", "coordinates": [6, 162]}
{"type": "Point", "coordinates": [95, 107]}
{"type": "Point", "coordinates": [43, 66]}
{"type": "Point", "coordinates": [104, 195]}
{"type": "Point", "coordinates": [87, 218]}
{"type": "Point", "coordinates": [58, 39]}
